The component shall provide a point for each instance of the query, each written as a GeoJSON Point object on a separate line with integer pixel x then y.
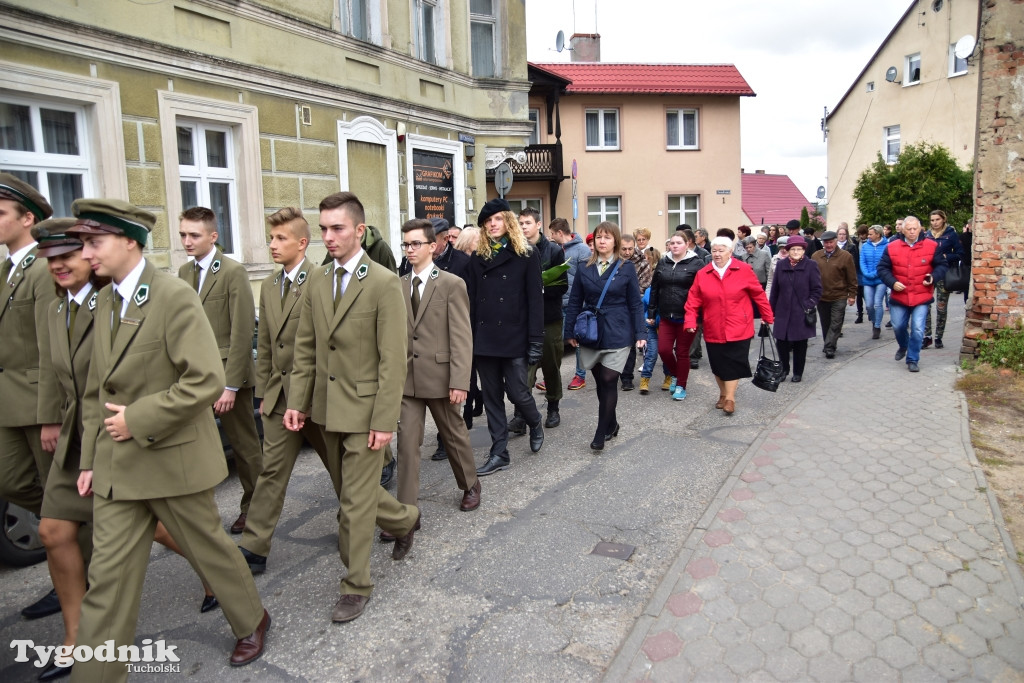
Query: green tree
{"type": "Point", "coordinates": [925, 177]}
{"type": "Point", "coordinates": [805, 219]}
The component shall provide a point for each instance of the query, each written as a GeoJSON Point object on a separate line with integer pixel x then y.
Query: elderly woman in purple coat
{"type": "Point", "coordinates": [796, 289]}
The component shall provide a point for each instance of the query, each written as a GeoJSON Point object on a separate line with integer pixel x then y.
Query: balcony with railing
{"type": "Point", "coordinates": [542, 162]}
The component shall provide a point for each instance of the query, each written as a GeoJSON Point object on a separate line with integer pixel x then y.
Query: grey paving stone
{"type": "Point", "coordinates": [853, 646]}
{"type": "Point", "coordinates": [829, 667]}
{"type": "Point", "coordinates": [816, 598]}
{"type": "Point", "coordinates": [874, 625]}
{"type": "Point", "coordinates": [964, 640]}
{"type": "Point", "coordinates": [713, 673]}
{"type": "Point", "coordinates": [764, 576]}
{"type": "Point", "coordinates": [893, 606]}
{"type": "Point", "coordinates": [947, 662]}
{"type": "Point", "coordinates": [704, 652]}
{"type": "Point", "coordinates": [732, 633]}
{"type": "Point", "coordinates": [794, 617]}
{"type": "Point", "coordinates": [720, 610]}
{"type": "Point", "coordinates": [744, 659]}
{"type": "Point", "coordinates": [757, 613]}
{"type": "Point", "coordinates": [769, 637]}
{"type": "Point", "coordinates": [919, 673]}
{"type": "Point", "coordinates": [930, 575]}
{"type": "Point", "coordinates": [780, 596]}
{"type": "Point", "coordinates": [874, 670]}
{"type": "Point", "coordinates": [833, 620]}
{"type": "Point", "coordinates": [853, 602]}
{"type": "Point", "coordinates": [810, 642]}
{"type": "Point", "coordinates": [992, 668]}
{"type": "Point", "coordinates": [954, 598]}
{"type": "Point", "coordinates": [1009, 648]}
{"type": "Point", "coordinates": [897, 652]}
{"type": "Point", "coordinates": [691, 627]}
{"type": "Point", "coordinates": [945, 560]}
{"type": "Point", "coordinates": [982, 623]}
{"type": "Point", "coordinates": [912, 589]}
{"type": "Point", "coordinates": [890, 569]}
{"type": "Point", "coordinates": [873, 585]}
{"type": "Point", "coordinates": [786, 664]}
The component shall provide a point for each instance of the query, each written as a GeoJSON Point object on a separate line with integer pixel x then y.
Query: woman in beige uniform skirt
{"type": "Point", "coordinates": [65, 526]}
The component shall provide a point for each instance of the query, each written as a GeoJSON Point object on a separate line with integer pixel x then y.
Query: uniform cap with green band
{"type": "Point", "coordinates": [53, 239]}
{"type": "Point", "coordinates": [112, 216]}
{"type": "Point", "coordinates": [17, 190]}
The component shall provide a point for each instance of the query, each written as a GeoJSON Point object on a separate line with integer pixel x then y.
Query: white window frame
{"type": "Point", "coordinates": [203, 174]}
{"type": "Point", "coordinates": [682, 212]}
{"type": "Point", "coordinates": [429, 144]}
{"type": "Point", "coordinates": [492, 21]}
{"type": "Point", "coordinates": [603, 213]}
{"type": "Point", "coordinates": [368, 129]}
{"type": "Point", "coordinates": [535, 136]}
{"type": "Point", "coordinates": [101, 103]}
{"type": "Point", "coordinates": [242, 121]}
{"type": "Point", "coordinates": [870, 86]}
{"type": "Point", "coordinates": [908, 70]}
{"type": "Point", "coordinates": [601, 112]}
{"type": "Point", "coordinates": [440, 35]}
{"type": "Point", "coordinates": [889, 134]}
{"type": "Point", "coordinates": [42, 163]}
{"type": "Point", "coordinates": [344, 19]}
{"type": "Point", "coordinates": [521, 203]}
{"type": "Point", "coordinates": [680, 114]}
{"type": "Point", "coordinates": [953, 59]}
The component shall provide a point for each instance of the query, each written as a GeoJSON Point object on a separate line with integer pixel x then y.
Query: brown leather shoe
{"type": "Point", "coordinates": [385, 537]}
{"type": "Point", "coordinates": [349, 607]}
{"type": "Point", "coordinates": [729, 407]}
{"type": "Point", "coordinates": [239, 525]}
{"type": "Point", "coordinates": [250, 648]}
{"type": "Point", "coordinates": [403, 544]}
{"type": "Point", "coordinates": [471, 498]}
{"type": "Point", "coordinates": [721, 402]}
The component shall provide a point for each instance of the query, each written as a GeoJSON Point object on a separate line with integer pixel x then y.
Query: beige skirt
{"type": "Point", "coordinates": [613, 359]}
{"type": "Point", "coordinates": [61, 499]}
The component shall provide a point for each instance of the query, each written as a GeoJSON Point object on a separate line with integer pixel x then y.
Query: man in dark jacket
{"type": "Point", "coordinates": [839, 282]}
{"type": "Point", "coordinates": [551, 255]}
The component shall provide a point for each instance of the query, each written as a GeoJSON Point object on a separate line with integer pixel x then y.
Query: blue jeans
{"type": "Point", "coordinates": [580, 372]}
{"type": "Point", "coordinates": [650, 352]}
{"type": "Point", "coordinates": [874, 301]}
{"type": "Point", "coordinates": [914, 317]}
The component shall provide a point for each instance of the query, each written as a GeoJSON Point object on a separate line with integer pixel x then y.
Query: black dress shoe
{"type": "Point", "coordinates": [440, 453]}
{"type": "Point", "coordinates": [613, 433]}
{"type": "Point", "coordinates": [387, 475]}
{"type": "Point", "coordinates": [859, 320]}
{"type": "Point", "coordinates": [627, 385]}
{"type": "Point", "coordinates": [495, 463]}
{"type": "Point", "coordinates": [257, 563]}
{"type": "Point", "coordinates": [830, 354]}
{"type": "Point", "coordinates": [797, 378]}
{"type": "Point", "coordinates": [517, 426]}
{"type": "Point", "coordinates": [536, 437]}
{"type": "Point", "coordinates": [52, 672]}
{"type": "Point", "coordinates": [211, 602]}
{"type": "Point", "coordinates": [554, 419]}
{"type": "Point", "coordinates": [694, 363]}
{"type": "Point", "coordinates": [44, 607]}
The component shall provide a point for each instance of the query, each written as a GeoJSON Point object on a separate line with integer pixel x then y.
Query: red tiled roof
{"type": "Point", "coordinates": [652, 79]}
{"type": "Point", "coordinates": [771, 198]}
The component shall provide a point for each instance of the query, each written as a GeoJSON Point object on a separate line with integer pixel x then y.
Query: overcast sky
{"type": "Point", "coordinates": [799, 56]}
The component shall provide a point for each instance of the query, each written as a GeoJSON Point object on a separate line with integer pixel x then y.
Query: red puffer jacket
{"type": "Point", "coordinates": [910, 264]}
{"type": "Point", "coordinates": [725, 302]}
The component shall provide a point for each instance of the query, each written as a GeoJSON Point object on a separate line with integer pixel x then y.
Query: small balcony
{"type": "Point", "coordinates": [543, 162]}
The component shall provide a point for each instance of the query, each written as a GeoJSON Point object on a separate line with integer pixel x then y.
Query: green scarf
{"type": "Point", "coordinates": [496, 246]}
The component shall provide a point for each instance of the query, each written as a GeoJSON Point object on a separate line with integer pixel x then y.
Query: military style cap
{"type": "Point", "coordinates": [829, 235]}
{"type": "Point", "coordinates": [53, 238]}
{"type": "Point", "coordinates": [19, 191]}
{"type": "Point", "coordinates": [112, 216]}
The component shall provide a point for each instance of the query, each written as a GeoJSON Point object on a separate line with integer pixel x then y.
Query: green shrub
{"type": "Point", "coordinates": [1005, 349]}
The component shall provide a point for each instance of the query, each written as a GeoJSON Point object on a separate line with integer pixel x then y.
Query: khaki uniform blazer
{"type": "Point", "coordinates": [352, 359]}
{"type": "Point", "coordinates": [227, 300]}
{"type": "Point", "coordinates": [440, 354]}
{"type": "Point", "coordinates": [69, 363]}
{"type": "Point", "coordinates": [26, 396]}
{"type": "Point", "coordinates": [279, 321]}
{"type": "Point", "coordinates": [165, 368]}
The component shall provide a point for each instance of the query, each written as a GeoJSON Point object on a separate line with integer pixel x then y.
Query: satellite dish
{"type": "Point", "coordinates": [964, 47]}
{"type": "Point", "coordinates": [821, 192]}
{"type": "Point", "coordinates": [560, 41]}
{"type": "Point", "coordinates": [890, 74]}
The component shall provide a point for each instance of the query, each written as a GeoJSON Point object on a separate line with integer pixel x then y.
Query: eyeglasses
{"type": "Point", "coordinates": [406, 246]}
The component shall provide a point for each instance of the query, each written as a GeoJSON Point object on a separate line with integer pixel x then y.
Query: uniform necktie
{"type": "Point", "coordinates": [603, 266]}
{"type": "Point", "coordinates": [195, 276]}
{"type": "Point", "coordinates": [72, 312]}
{"type": "Point", "coordinates": [5, 272]}
{"type": "Point", "coordinates": [286, 288]}
{"type": "Point", "coordinates": [339, 274]}
{"type": "Point", "coordinates": [416, 295]}
{"type": "Point", "coordinates": [115, 323]}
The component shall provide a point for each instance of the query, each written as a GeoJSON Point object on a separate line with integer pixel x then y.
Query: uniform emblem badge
{"type": "Point", "coordinates": [215, 267]}
{"type": "Point", "coordinates": [301, 278]}
{"type": "Point", "coordinates": [141, 295]}
{"type": "Point", "coordinates": [92, 301]}
{"type": "Point", "coordinates": [28, 261]}
{"type": "Point", "coordinates": [433, 274]}
{"type": "Point", "coordinates": [361, 271]}
{"type": "Point", "coordinates": [327, 270]}
{"type": "Point", "coordinates": [277, 280]}
{"type": "Point", "coordinates": [60, 306]}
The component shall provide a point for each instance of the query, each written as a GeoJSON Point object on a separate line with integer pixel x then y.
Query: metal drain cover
{"type": "Point", "coordinates": [619, 551]}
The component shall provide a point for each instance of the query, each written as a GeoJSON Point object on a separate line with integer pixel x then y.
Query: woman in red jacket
{"type": "Point", "coordinates": [722, 291]}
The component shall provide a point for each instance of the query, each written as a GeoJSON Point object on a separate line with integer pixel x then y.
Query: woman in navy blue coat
{"type": "Point", "coordinates": [796, 288]}
{"type": "Point", "coordinates": [620, 322]}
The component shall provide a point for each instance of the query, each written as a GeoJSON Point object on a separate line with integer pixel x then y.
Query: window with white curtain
{"type": "Point", "coordinates": [600, 209]}
{"type": "Point", "coordinates": [683, 208]}
{"type": "Point", "coordinates": [45, 145]}
{"type": "Point", "coordinates": [681, 128]}
{"type": "Point", "coordinates": [483, 36]}
{"type": "Point", "coordinates": [208, 176]}
{"type": "Point", "coordinates": [602, 129]}
{"type": "Point", "coordinates": [428, 23]}
{"type": "Point", "coordinates": [535, 127]}
{"type": "Point", "coordinates": [891, 144]}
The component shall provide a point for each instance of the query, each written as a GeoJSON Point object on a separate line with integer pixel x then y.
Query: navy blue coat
{"type": "Point", "coordinates": [506, 303]}
{"type": "Point", "coordinates": [620, 322]}
{"type": "Point", "coordinates": [794, 289]}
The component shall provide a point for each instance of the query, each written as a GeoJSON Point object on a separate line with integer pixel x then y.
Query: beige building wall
{"type": "Point", "coordinates": [941, 108]}
{"type": "Point", "coordinates": [643, 172]}
{"type": "Point", "coordinates": [292, 91]}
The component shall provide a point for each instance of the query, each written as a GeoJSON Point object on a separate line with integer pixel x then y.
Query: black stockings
{"type": "Point", "coordinates": [607, 398]}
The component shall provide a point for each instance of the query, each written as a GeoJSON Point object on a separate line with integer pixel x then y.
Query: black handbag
{"type": "Point", "coordinates": [768, 374]}
{"type": "Point", "coordinates": [958, 277]}
{"type": "Point", "coordinates": [584, 330]}
{"type": "Point", "coordinates": [811, 317]}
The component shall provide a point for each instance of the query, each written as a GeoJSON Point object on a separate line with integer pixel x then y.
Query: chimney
{"type": "Point", "coordinates": [759, 171]}
{"type": "Point", "coordinates": [586, 47]}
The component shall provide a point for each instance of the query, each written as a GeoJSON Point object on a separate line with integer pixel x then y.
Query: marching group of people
{"type": "Point", "coordinates": [111, 389]}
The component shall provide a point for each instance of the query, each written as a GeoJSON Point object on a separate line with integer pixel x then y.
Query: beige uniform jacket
{"type": "Point", "coordinates": [352, 359]}
{"type": "Point", "coordinates": [279, 321]}
{"type": "Point", "coordinates": [26, 397]}
{"type": "Point", "coordinates": [165, 368]}
{"type": "Point", "coordinates": [227, 300]}
{"type": "Point", "coordinates": [440, 353]}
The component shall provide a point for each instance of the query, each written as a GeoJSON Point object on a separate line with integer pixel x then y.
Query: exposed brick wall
{"type": "Point", "coordinates": [998, 265]}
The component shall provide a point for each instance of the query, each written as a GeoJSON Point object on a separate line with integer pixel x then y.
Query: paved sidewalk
{"type": "Point", "coordinates": [855, 540]}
